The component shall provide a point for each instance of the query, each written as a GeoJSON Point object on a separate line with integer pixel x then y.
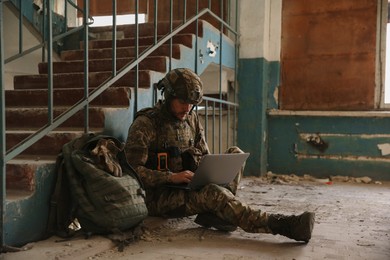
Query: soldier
{"type": "Point", "coordinates": [165, 144]}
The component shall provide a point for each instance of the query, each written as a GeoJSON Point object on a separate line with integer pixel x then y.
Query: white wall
{"type": "Point", "coordinates": [25, 65]}
{"type": "Point", "coordinates": [260, 29]}
{"type": "Point", "coordinates": [210, 79]}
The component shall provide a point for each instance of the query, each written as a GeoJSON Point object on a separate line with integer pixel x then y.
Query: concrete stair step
{"type": "Point", "coordinates": [30, 184]}
{"type": "Point", "coordinates": [21, 175]}
{"type": "Point", "coordinates": [102, 50]}
{"type": "Point", "coordinates": [76, 80]}
{"type": "Point", "coordinates": [49, 145]}
{"type": "Point", "coordinates": [143, 43]}
{"type": "Point", "coordinates": [35, 118]}
{"type": "Point", "coordinates": [112, 97]}
{"type": "Point", "coordinates": [158, 63]}
{"type": "Point", "coordinates": [14, 195]}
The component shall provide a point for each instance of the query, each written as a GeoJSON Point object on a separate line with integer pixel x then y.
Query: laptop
{"type": "Point", "coordinates": [219, 169]}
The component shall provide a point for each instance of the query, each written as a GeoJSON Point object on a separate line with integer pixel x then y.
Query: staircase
{"type": "Point", "coordinates": [31, 175]}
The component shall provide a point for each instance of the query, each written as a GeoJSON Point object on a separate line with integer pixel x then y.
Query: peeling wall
{"type": "Point", "coordinates": [324, 146]}
{"type": "Point", "coordinates": [258, 77]}
{"type": "Point", "coordinates": [350, 143]}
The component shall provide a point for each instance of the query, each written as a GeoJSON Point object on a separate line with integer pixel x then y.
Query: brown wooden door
{"type": "Point", "coordinates": [328, 51]}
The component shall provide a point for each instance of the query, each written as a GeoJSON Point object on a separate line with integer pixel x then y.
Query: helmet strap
{"type": "Point", "coordinates": [192, 108]}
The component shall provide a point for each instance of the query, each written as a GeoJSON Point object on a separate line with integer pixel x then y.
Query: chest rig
{"type": "Point", "coordinates": [172, 138]}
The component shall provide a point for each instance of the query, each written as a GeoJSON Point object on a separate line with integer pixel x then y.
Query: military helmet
{"type": "Point", "coordinates": [182, 83]}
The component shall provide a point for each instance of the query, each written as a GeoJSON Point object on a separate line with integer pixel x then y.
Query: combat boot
{"type": "Point", "coordinates": [209, 220]}
{"type": "Point", "coordinates": [294, 227]}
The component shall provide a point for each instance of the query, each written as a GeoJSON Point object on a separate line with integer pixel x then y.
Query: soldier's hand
{"type": "Point", "coordinates": [181, 177]}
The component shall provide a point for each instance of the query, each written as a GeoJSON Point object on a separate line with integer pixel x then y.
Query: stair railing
{"type": "Point", "coordinates": [47, 44]}
{"type": "Point", "coordinates": [52, 123]}
{"type": "Point", "coordinates": [116, 75]}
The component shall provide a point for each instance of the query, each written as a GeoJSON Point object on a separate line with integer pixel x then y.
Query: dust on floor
{"type": "Point", "coordinates": [352, 222]}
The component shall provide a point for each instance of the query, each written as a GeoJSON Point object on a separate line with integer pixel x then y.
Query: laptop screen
{"type": "Point", "coordinates": [218, 168]}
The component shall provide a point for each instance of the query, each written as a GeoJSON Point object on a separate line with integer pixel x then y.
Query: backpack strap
{"type": "Point", "coordinates": [52, 221]}
{"type": "Point", "coordinates": [152, 114]}
{"type": "Point", "coordinates": [60, 209]}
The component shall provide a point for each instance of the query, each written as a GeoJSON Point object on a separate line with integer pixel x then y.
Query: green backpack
{"type": "Point", "coordinates": [101, 202]}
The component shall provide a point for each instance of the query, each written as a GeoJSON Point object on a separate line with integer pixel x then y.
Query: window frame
{"type": "Point", "coordinates": [381, 56]}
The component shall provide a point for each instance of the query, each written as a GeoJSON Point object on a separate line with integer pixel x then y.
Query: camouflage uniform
{"type": "Point", "coordinates": [156, 130]}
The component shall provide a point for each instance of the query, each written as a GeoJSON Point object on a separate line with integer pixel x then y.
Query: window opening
{"type": "Point", "coordinates": [387, 72]}
{"type": "Point", "coordinates": [120, 20]}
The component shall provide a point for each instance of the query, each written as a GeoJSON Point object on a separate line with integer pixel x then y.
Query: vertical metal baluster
{"type": "Point", "coordinates": [185, 11]}
{"type": "Point", "coordinates": [136, 56]}
{"type": "Point", "coordinates": [235, 125]}
{"type": "Point", "coordinates": [43, 32]}
{"type": "Point", "coordinates": [196, 38]}
{"type": "Point", "coordinates": [170, 30]}
{"type": "Point", "coordinates": [20, 26]}
{"type": "Point", "coordinates": [155, 21]}
{"type": "Point", "coordinates": [65, 16]}
{"type": "Point", "coordinates": [228, 122]}
{"type": "Point", "coordinates": [206, 124]}
{"type": "Point", "coordinates": [155, 42]}
{"type": "Point", "coordinates": [2, 128]}
{"type": "Point", "coordinates": [228, 93]}
{"type": "Point", "coordinates": [213, 126]}
{"type": "Point", "coordinates": [113, 55]}
{"type": "Point", "coordinates": [86, 64]}
{"type": "Point", "coordinates": [228, 18]}
{"type": "Point", "coordinates": [49, 48]}
{"type": "Point", "coordinates": [236, 48]}
{"type": "Point", "coordinates": [220, 78]}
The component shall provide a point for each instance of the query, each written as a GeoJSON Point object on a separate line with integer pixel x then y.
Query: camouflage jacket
{"type": "Point", "coordinates": [155, 131]}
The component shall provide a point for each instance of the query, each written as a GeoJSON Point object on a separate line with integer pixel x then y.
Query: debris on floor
{"type": "Point", "coordinates": [352, 222]}
{"type": "Point", "coordinates": [273, 178]}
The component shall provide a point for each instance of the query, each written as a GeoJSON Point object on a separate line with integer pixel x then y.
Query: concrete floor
{"type": "Point", "coordinates": [352, 222]}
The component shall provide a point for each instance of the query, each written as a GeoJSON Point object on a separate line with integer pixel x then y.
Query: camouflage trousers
{"type": "Point", "coordinates": [215, 199]}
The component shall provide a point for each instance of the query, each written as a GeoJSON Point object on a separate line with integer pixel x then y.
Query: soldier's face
{"type": "Point", "coordinates": [180, 109]}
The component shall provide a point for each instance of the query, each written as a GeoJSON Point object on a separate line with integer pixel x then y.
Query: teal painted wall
{"type": "Point", "coordinates": [257, 79]}
{"type": "Point", "coordinates": [351, 146]}
{"type": "Point", "coordinates": [25, 220]}
{"type": "Point", "coordinates": [279, 143]}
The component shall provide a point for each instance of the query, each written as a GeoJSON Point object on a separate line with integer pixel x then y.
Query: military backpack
{"type": "Point", "coordinates": [103, 193]}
